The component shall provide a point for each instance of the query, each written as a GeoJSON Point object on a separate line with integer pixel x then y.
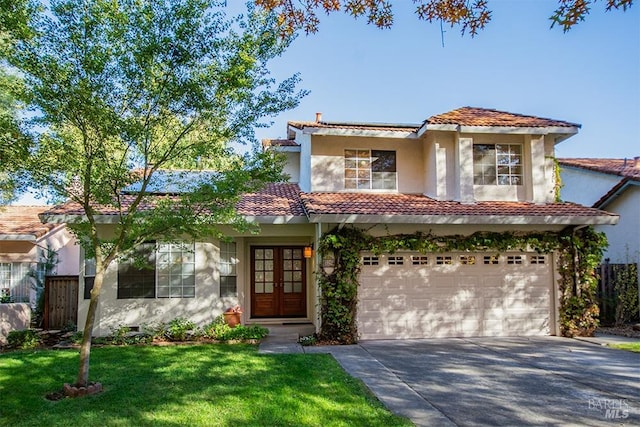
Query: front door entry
{"type": "Point", "coordinates": [278, 281]}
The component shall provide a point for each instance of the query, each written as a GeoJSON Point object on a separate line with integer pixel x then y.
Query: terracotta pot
{"type": "Point", "coordinates": [232, 319]}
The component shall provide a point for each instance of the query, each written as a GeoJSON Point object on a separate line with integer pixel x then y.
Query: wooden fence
{"type": "Point", "coordinates": [60, 301]}
{"type": "Point", "coordinates": [614, 279]}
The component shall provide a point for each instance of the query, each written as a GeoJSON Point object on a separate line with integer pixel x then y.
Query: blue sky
{"type": "Point", "coordinates": [590, 75]}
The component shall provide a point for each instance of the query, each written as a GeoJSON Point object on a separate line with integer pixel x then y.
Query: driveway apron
{"type": "Point", "coordinates": [501, 381]}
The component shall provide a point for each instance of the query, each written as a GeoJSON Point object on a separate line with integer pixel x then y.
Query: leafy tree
{"type": "Point", "coordinates": [471, 15]}
{"type": "Point", "coordinates": [120, 91]}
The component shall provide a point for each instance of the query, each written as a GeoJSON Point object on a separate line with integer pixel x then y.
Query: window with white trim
{"type": "Point", "coordinates": [514, 259]}
{"type": "Point", "coordinates": [490, 259]}
{"type": "Point", "coordinates": [419, 260]}
{"type": "Point", "coordinates": [444, 260]}
{"type": "Point", "coordinates": [467, 259]}
{"type": "Point", "coordinates": [158, 270]}
{"type": "Point", "coordinates": [14, 281]}
{"type": "Point", "coordinates": [396, 260]}
{"type": "Point", "coordinates": [228, 273]}
{"type": "Point", "coordinates": [370, 170]}
{"type": "Point", "coordinates": [537, 259]}
{"type": "Point", "coordinates": [370, 260]}
{"type": "Point", "coordinates": [497, 164]}
{"type": "Point", "coordinates": [89, 276]}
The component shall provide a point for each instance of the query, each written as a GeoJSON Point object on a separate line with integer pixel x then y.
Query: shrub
{"type": "Point", "coordinates": [308, 340]}
{"type": "Point", "coordinates": [24, 339]}
{"type": "Point", "coordinates": [155, 330]}
{"type": "Point", "coordinates": [626, 289]}
{"type": "Point", "coordinates": [219, 330]}
{"type": "Point", "coordinates": [216, 329]}
{"type": "Point", "coordinates": [119, 335]}
{"type": "Point", "coordinates": [178, 328]}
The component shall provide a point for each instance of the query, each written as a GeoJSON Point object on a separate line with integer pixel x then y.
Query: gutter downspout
{"type": "Point", "coordinates": [318, 265]}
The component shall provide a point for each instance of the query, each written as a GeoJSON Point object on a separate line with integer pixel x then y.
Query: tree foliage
{"type": "Point", "coordinates": [471, 15]}
{"type": "Point", "coordinates": [120, 91]}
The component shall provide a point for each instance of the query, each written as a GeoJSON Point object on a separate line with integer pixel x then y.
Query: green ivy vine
{"type": "Point", "coordinates": [580, 252]}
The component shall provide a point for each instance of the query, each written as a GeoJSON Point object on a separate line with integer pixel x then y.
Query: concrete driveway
{"type": "Point", "coordinates": [498, 381]}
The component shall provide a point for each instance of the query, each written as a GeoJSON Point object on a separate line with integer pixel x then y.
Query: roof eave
{"type": "Point", "coordinates": [284, 148]}
{"type": "Point", "coordinates": [76, 218]}
{"type": "Point", "coordinates": [113, 219]}
{"type": "Point", "coordinates": [367, 133]}
{"type": "Point", "coordinates": [563, 131]}
{"type": "Point", "coordinates": [277, 219]}
{"type": "Point", "coordinates": [615, 192]}
{"type": "Point", "coordinates": [465, 219]}
{"type": "Point", "coordinates": [18, 238]}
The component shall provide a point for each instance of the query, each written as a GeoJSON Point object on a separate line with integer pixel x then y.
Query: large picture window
{"type": "Point", "coordinates": [497, 164]}
{"type": "Point", "coordinates": [162, 270]}
{"type": "Point", "coordinates": [370, 170]}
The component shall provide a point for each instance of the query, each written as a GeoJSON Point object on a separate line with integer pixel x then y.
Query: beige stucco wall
{"type": "Point", "coordinates": [327, 161]}
{"type": "Point", "coordinates": [60, 240]}
{"type": "Point", "coordinates": [207, 304]}
{"type": "Point", "coordinates": [292, 166]}
{"type": "Point", "coordinates": [440, 165]}
{"type": "Point", "coordinates": [624, 237]}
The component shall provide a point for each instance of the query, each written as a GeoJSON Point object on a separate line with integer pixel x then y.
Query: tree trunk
{"type": "Point", "coordinates": [85, 347]}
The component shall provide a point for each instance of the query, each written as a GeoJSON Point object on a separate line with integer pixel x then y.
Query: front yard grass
{"type": "Point", "coordinates": [208, 385]}
{"type": "Point", "coordinates": [632, 346]}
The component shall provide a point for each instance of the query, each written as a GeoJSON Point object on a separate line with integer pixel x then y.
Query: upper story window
{"type": "Point", "coordinates": [370, 170]}
{"type": "Point", "coordinates": [497, 164]}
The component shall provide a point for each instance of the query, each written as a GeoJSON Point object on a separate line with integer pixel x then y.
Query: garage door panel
{"type": "Point", "coordinates": [407, 301]}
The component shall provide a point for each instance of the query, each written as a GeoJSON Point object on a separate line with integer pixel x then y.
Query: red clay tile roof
{"type": "Point", "coordinates": [408, 204]}
{"type": "Point", "coordinates": [620, 167]}
{"type": "Point", "coordinates": [279, 143]}
{"type": "Point", "coordinates": [465, 116]}
{"type": "Point", "coordinates": [23, 220]}
{"type": "Point", "coordinates": [284, 199]}
{"type": "Point", "coordinates": [357, 126]}
{"type": "Point", "coordinates": [281, 199]}
{"type": "Point", "coordinates": [274, 200]}
{"type": "Point", "coordinates": [473, 116]}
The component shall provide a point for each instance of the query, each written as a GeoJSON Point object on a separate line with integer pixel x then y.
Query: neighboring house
{"type": "Point", "coordinates": [613, 185]}
{"type": "Point", "coordinates": [467, 170]}
{"type": "Point", "coordinates": [24, 246]}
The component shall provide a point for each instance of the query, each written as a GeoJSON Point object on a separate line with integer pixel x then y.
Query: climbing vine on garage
{"type": "Point", "coordinates": [580, 252]}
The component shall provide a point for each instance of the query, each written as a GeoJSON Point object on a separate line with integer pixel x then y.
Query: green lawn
{"type": "Point", "coordinates": [632, 346]}
{"type": "Point", "coordinates": [212, 385]}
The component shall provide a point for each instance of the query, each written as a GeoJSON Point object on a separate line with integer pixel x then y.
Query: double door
{"type": "Point", "coordinates": [278, 281]}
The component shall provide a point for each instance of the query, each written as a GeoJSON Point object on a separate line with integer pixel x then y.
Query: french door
{"type": "Point", "coordinates": [278, 281]}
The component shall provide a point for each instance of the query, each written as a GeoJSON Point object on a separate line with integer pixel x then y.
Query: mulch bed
{"type": "Point", "coordinates": [623, 330]}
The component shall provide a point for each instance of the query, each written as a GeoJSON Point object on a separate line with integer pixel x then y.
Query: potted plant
{"type": "Point", "coordinates": [232, 316]}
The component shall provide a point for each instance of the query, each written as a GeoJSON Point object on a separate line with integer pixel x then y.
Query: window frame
{"type": "Point", "coordinates": [361, 172]}
{"type": "Point", "coordinates": [228, 264]}
{"type": "Point", "coordinates": [501, 165]}
{"type": "Point", "coordinates": [167, 270]}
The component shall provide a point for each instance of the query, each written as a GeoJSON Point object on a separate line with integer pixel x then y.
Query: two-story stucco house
{"type": "Point", "coordinates": [467, 170]}
{"type": "Point", "coordinates": [614, 185]}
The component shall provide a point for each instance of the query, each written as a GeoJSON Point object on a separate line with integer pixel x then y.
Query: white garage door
{"type": "Point", "coordinates": [455, 295]}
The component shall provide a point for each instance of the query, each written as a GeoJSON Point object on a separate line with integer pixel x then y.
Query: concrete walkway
{"type": "Point", "coordinates": [410, 399]}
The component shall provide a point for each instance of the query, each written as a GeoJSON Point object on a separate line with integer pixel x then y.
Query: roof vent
{"type": "Point", "coordinates": [318, 117]}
